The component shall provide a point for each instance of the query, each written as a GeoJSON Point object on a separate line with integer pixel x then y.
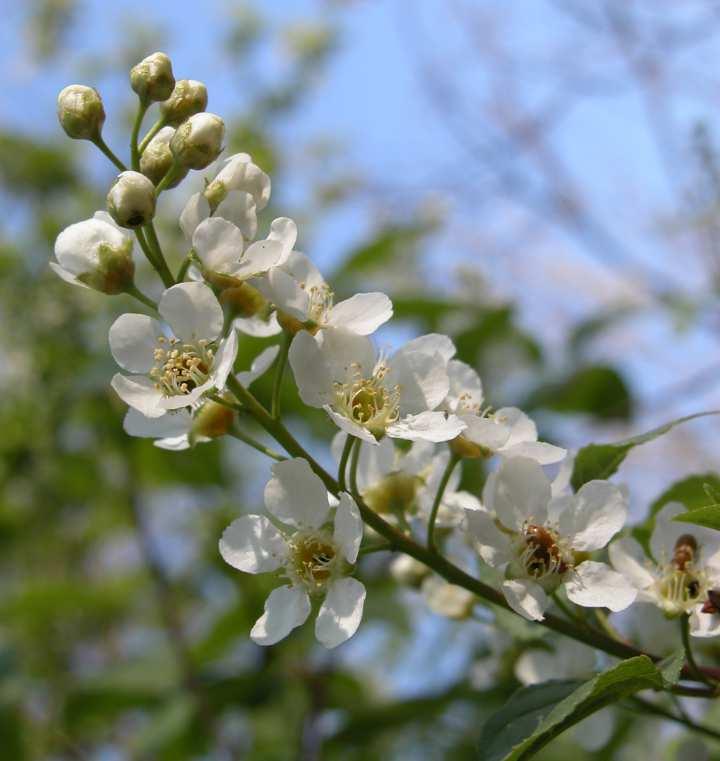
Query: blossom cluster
{"type": "Point", "coordinates": [540, 541]}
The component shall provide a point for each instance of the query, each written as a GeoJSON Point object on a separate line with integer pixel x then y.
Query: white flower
{"type": "Point", "coordinates": [180, 429]}
{"type": "Point", "coordinates": [402, 484]}
{"type": "Point", "coordinates": [300, 292]}
{"type": "Point", "coordinates": [370, 396]}
{"type": "Point", "coordinates": [686, 572]}
{"type": "Point", "coordinates": [95, 253]}
{"type": "Point", "coordinates": [238, 192]}
{"type": "Point", "coordinates": [447, 600]}
{"type": "Point", "coordinates": [541, 540]}
{"type": "Point", "coordinates": [312, 553]}
{"type": "Point", "coordinates": [507, 432]}
{"type": "Point", "coordinates": [220, 246]}
{"type": "Point", "coordinates": [173, 367]}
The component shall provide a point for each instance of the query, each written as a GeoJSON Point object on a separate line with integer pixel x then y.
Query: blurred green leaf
{"type": "Point", "coordinates": [602, 460]}
{"type": "Point", "coordinates": [709, 517]}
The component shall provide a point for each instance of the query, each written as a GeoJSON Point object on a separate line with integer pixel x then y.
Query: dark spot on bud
{"type": "Point", "coordinates": [712, 604]}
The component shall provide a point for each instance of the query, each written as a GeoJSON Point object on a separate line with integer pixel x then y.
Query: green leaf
{"type": "Point", "coordinates": [671, 667]}
{"type": "Point", "coordinates": [709, 517]}
{"type": "Point", "coordinates": [597, 390]}
{"type": "Point", "coordinates": [536, 715]}
{"type": "Point", "coordinates": [695, 491]}
{"type": "Point", "coordinates": [602, 460]}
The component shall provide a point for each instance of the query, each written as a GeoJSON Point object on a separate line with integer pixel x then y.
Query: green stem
{"type": "Point", "coordinates": [159, 124]}
{"type": "Point", "coordinates": [167, 179]}
{"type": "Point", "coordinates": [184, 267]}
{"type": "Point", "coordinates": [342, 467]}
{"type": "Point", "coordinates": [692, 663]}
{"type": "Point", "coordinates": [452, 462]}
{"type": "Point", "coordinates": [140, 296]}
{"type": "Point", "coordinates": [134, 153]}
{"type": "Point", "coordinates": [250, 441]}
{"type": "Point", "coordinates": [648, 707]}
{"type": "Point", "coordinates": [103, 146]}
{"type": "Point", "coordinates": [444, 568]}
{"type": "Point", "coordinates": [161, 265]}
{"type": "Point", "coordinates": [370, 548]}
{"type": "Point", "coordinates": [279, 373]}
{"type": "Point", "coordinates": [149, 255]}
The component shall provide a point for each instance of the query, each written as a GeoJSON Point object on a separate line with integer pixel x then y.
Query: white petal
{"type": "Point", "coordinates": [139, 392]}
{"type": "Point", "coordinates": [260, 365]}
{"type": "Point", "coordinates": [465, 382]}
{"type": "Point", "coordinates": [599, 512]}
{"type": "Point", "coordinates": [296, 495]}
{"type": "Point", "coordinates": [67, 276]}
{"type": "Point", "coordinates": [341, 612]}
{"type": "Point", "coordinates": [493, 545]}
{"type": "Point", "coordinates": [219, 244]}
{"type": "Point", "coordinates": [171, 425]}
{"type": "Point", "coordinates": [526, 598]}
{"type": "Point", "coordinates": [76, 248]}
{"type": "Point", "coordinates": [628, 558]}
{"type": "Point", "coordinates": [253, 545]}
{"type": "Point", "coordinates": [285, 609]}
{"type": "Point", "coordinates": [288, 295]}
{"type": "Point", "coordinates": [522, 428]}
{"type": "Point", "coordinates": [350, 426]}
{"type": "Point", "coordinates": [348, 528]}
{"type": "Point", "coordinates": [310, 369]}
{"type": "Point", "coordinates": [521, 492]}
{"type": "Point", "coordinates": [596, 585]}
{"type": "Point", "coordinates": [429, 426]}
{"type": "Point", "coordinates": [176, 443]}
{"type": "Point", "coordinates": [283, 230]}
{"type": "Point", "coordinates": [301, 268]}
{"type": "Point", "coordinates": [561, 482]}
{"type": "Point", "coordinates": [422, 379]}
{"type": "Point", "coordinates": [258, 326]}
{"type": "Point", "coordinates": [545, 454]}
{"type": "Point", "coordinates": [239, 208]}
{"type": "Point", "coordinates": [133, 340]}
{"type": "Point", "coordinates": [192, 311]}
{"type": "Point", "coordinates": [363, 313]}
{"type": "Point", "coordinates": [196, 209]}
{"type": "Point", "coordinates": [259, 257]}
{"type": "Point", "coordinates": [432, 343]}
{"type": "Point", "coordinates": [224, 360]}
{"type": "Point", "coordinates": [486, 432]}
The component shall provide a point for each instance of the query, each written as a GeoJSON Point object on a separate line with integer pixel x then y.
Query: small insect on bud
{"type": "Point", "coordinates": [188, 98]}
{"type": "Point", "coordinates": [198, 141]}
{"type": "Point", "coordinates": [80, 112]}
{"type": "Point", "coordinates": [131, 200]}
{"type": "Point", "coordinates": [684, 551]}
{"type": "Point", "coordinates": [157, 159]}
{"type": "Point", "coordinates": [152, 78]}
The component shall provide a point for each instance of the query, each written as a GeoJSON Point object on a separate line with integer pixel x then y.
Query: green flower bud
{"type": "Point", "coordinates": [80, 112]}
{"type": "Point", "coordinates": [131, 200]}
{"type": "Point", "coordinates": [188, 98]}
{"type": "Point", "coordinates": [198, 141]}
{"type": "Point", "coordinates": [157, 158]}
{"type": "Point", "coordinates": [152, 78]}
{"type": "Point", "coordinates": [213, 420]}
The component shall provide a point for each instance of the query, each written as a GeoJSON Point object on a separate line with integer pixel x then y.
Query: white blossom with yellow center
{"type": "Point", "coordinates": [299, 291]}
{"type": "Point", "coordinates": [371, 396]}
{"type": "Point", "coordinates": [542, 540]}
{"type": "Point", "coordinates": [175, 364]}
{"type": "Point", "coordinates": [683, 577]}
{"type": "Point", "coordinates": [312, 552]}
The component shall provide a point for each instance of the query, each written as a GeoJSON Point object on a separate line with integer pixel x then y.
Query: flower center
{"type": "Point", "coordinates": [321, 301]}
{"type": "Point", "coordinates": [313, 560]}
{"type": "Point", "coordinates": [180, 368]}
{"type": "Point", "coordinates": [682, 585]}
{"type": "Point", "coordinates": [368, 401]}
{"type": "Point", "coordinates": [541, 554]}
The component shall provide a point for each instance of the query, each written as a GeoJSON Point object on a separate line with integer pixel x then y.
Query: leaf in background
{"type": "Point", "coordinates": [602, 460]}
{"type": "Point", "coordinates": [597, 390]}
{"type": "Point", "coordinates": [671, 667]}
{"type": "Point", "coordinates": [587, 330]}
{"type": "Point", "coordinates": [704, 516]}
{"type": "Point", "coordinates": [536, 715]}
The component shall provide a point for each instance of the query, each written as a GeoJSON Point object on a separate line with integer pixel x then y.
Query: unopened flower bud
{"type": "Point", "coordinates": [408, 571]}
{"type": "Point", "coordinates": [80, 112]}
{"type": "Point", "coordinates": [95, 254]}
{"type": "Point", "coordinates": [152, 78]}
{"type": "Point", "coordinates": [213, 420]}
{"type": "Point", "coordinates": [188, 98]}
{"type": "Point", "coordinates": [157, 159]}
{"type": "Point", "coordinates": [198, 141]}
{"type": "Point", "coordinates": [131, 200]}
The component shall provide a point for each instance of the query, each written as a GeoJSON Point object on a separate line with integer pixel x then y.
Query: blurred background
{"type": "Point", "coordinates": [539, 180]}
